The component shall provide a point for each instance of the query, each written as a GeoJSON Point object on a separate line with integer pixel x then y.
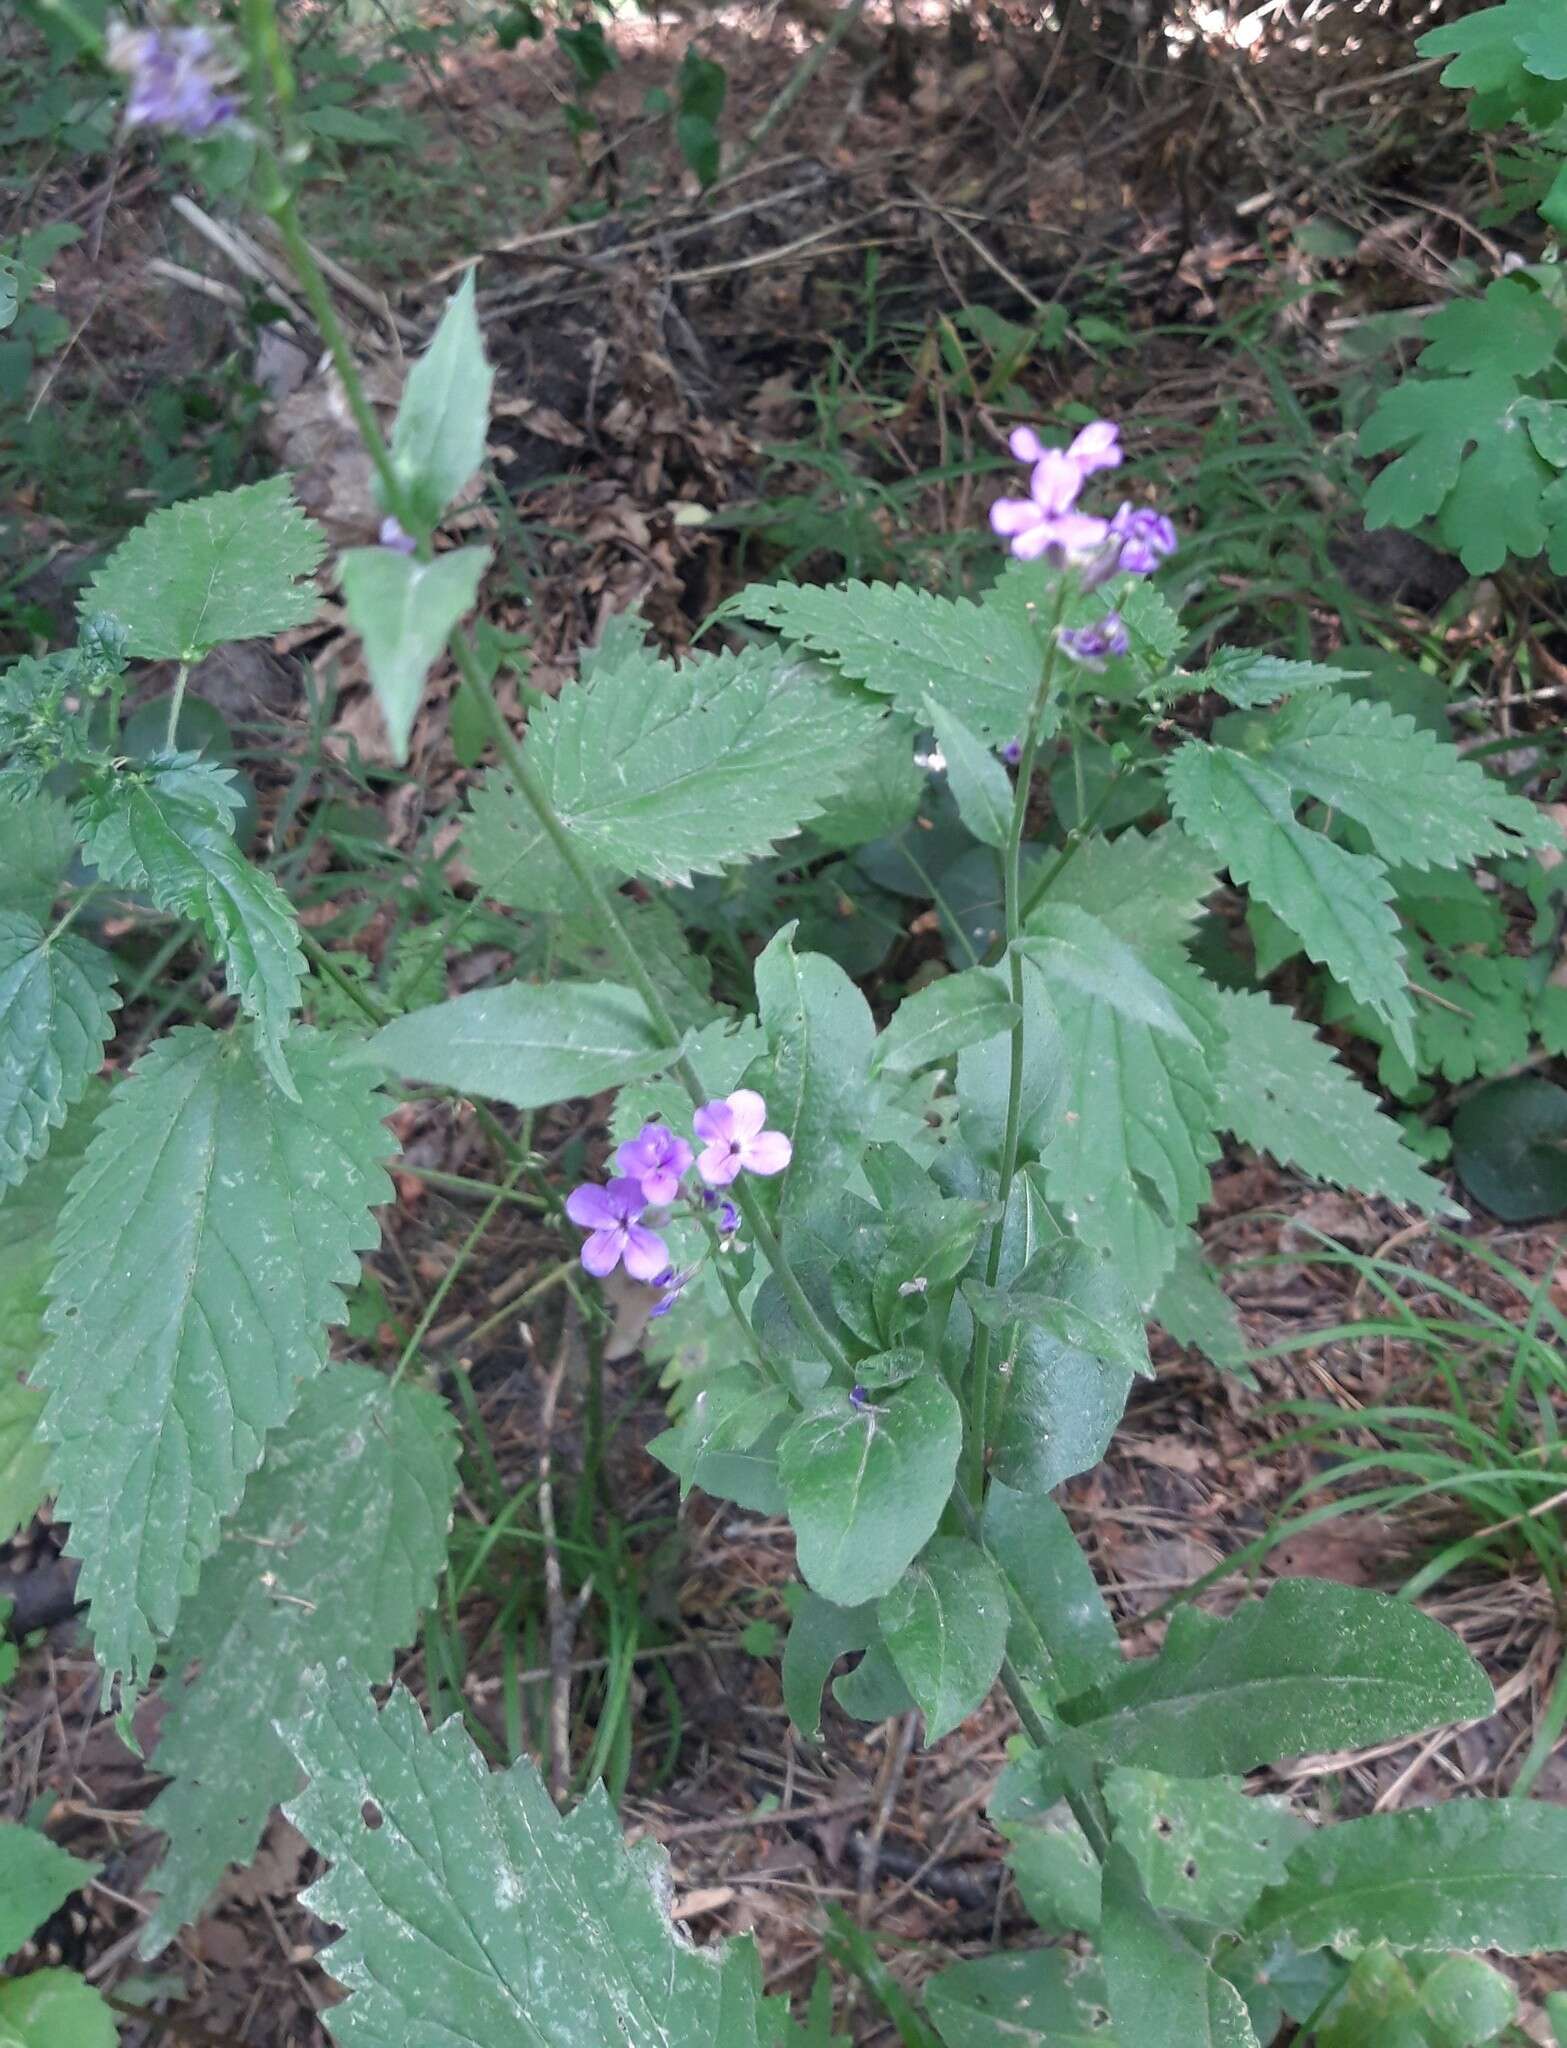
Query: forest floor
{"type": "Point", "coordinates": [808, 369]}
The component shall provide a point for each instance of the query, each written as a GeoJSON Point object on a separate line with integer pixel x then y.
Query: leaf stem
{"type": "Point", "coordinates": [176, 705]}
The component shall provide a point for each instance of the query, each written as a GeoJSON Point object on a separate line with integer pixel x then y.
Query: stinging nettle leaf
{"type": "Point", "coordinates": [1250, 679]}
{"type": "Point", "coordinates": [945, 1627]}
{"type": "Point", "coordinates": [211, 570]}
{"type": "Point", "coordinates": [335, 1551]}
{"type": "Point", "coordinates": [866, 1486]}
{"type": "Point", "coordinates": [57, 1004]}
{"type": "Point", "coordinates": [473, 1912]}
{"type": "Point", "coordinates": [201, 1256]}
{"type": "Point", "coordinates": [36, 1878]}
{"type": "Point", "coordinates": [527, 1045]}
{"type": "Point", "coordinates": [666, 772]}
{"type": "Point", "coordinates": [36, 844]}
{"type": "Point", "coordinates": [169, 829]}
{"type": "Point", "coordinates": [1282, 1090]}
{"type": "Point", "coordinates": [438, 436]}
{"type": "Point", "coordinates": [403, 611]}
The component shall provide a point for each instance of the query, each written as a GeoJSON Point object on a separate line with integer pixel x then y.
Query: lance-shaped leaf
{"type": "Point", "coordinates": [211, 570]}
{"type": "Point", "coordinates": [201, 1256]}
{"type": "Point", "coordinates": [820, 1095]}
{"type": "Point", "coordinates": [668, 772]}
{"type": "Point", "coordinates": [403, 611]}
{"type": "Point", "coordinates": [57, 1003]}
{"type": "Point", "coordinates": [980, 786]}
{"type": "Point", "coordinates": [1126, 1158]}
{"type": "Point", "coordinates": [1311, 1666]}
{"type": "Point", "coordinates": [1282, 1090]}
{"type": "Point", "coordinates": [1193, 1308]}
{"type": "Point", "coordinates": [980, 662]}
{"type": "Point", "coordinates": [1041, 1998]}
{"type": "Point", "coordinates": [527, 1045]}
{"type": "Point", "coordinates": [1160, 1988]}
{"type": "Point", "coordinates": [36, 1877]}
{"type": "Point", "coordinates": [1338, 904]}
{"type": "Point", "coordinates": [335, 1551]}
{"type": "Point", "coordinates": [1205, 1848]}
{"type": "Point", "coordinates": [942, 1018]}
{"type": "Point", "coordinates": [1473, 1873]}
{"type": "Point", "coordinates": [438, 435]}
{"type": "Point", "coordinates": [867, 1485]}
{"type": "Point", "coordinates": [1062, 1639]}
{"type": "Point", "coordinates": [473, 1912]}
{"type": "Point", "coordinates": [169, 829]}
{"type": "Point", "coordinates": [945, 1627]}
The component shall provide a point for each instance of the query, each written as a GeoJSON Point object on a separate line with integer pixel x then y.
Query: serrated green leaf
{"type": "Point", "coordinates": [1468, 461]}
{"type": "Point", "coordinates": [866, 1486]}
{"type": "Point", "coordinates": [1282, 1090]}
{"type": "Point", "coordinates": [1160, 1988]}
{"type": "Point", "coordinates": [1126, 1157]}
{"type": "Point", "coordinates": [821, 1035]}
{"type": "Point", "coordinates": [1422, 803]}
{"type": "Point", "coordinates": [201, 1256]}
{"type": "Point", "coordinates": [211, 570]}
{"type": "Point", "coordinates": [168, 828]}
{"type": "Point", "coordinates": [819, 1634]}
{"type": "Point", "coordinates": [1340, 904]}
{"type": "Point", "coordinates": [1251, 680]}
{"type": "Point", "coordinates": [403, 610]}
{"type": "Point", "coordinates": [941, 1019]}
{"type": "Point", "coordinates": [29, 1216]}
{"type": "Point", "coordinates": [978, 662]}
{"type": "Point", "coordinates": [55, 2009]}
{"type": "Point", "coordinates": [36, 1878]}
{"type": "Point", "coordinates": [57, 1004]}
{"type": "Point", "coordinates": [667, 772]}
{"type": "Point", "coordinates": [36, 844]}
{"type": "Point", "coordinates": [472, 1911]}
{"type": "Point", "coordinates": [1043, 1998]}
{"type": "Point", "coordinates": [1062, 1638]}
{"type": "Point", "coordinates": [981, 787]}
{"type": "Point", "coordinates": [1205, 1849]}
{"type": "Point", "coordinates": [1470, 1874]}
{"type": "Point", "coordinates": [335, 1551]}
{"type": "Point", "coordinates": [1311, 1666]}
{"type": "Point", "coordinates": [1139, 880]}
{"type": "Point", "coordinates": [945, 1627]}
{"type": "Point", "coordinates": [527, 1045]}
{"type": "Point", "coordinates": [438, 435]}
{"type": "Point", "coordinates": [881, 792]}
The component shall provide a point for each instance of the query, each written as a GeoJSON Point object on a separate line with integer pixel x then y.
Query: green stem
{"type": "Point", "coordinates": [176, 704]}
{"type": "Point", "coordinates": [83, 898]}
{"type": "Point", "coordinates": [1012, 905]}
{"type": "Point", "coordinates": [64, 12]}
{"type": "Point", "coordinates": [462, 1184]}
{"type": "Point", "coordinates": [1080, 832]}
{"type": "Point", "coordinates": [363, 1001]}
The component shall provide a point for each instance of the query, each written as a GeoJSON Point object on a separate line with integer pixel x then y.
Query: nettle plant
{"type": "Point", "coordinates": [902, 1270]}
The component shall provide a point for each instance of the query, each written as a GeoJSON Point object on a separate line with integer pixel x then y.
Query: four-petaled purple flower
{"type": "Point", "coordinates": [1046, 521]}
{"type": "Point", "coordinates": [616, 1238]}
{"type": "Point", "coordinates": [1093, 645]}
{"type": "Point", "coordinates": [733, 1140]}
{"type": "Point", "coordinates": [392, 536]}
{"type": "Point", "coordinates": [175, 78]}
{"type": "Point", "coordinates": [656, 1159]}
{"type": "Point", "coordinates": [1142, 539]}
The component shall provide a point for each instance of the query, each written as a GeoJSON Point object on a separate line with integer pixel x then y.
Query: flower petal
{"type": "Point", "coordinates": [626, 1198]}
{"type": "Point", "coordinates": [1012, 515]}
{"type": "Point", "coordinates": [1025, 444]}
{"type": "Point", "coordinates": [768, 1152]}
{"type": "Point", "coordinates": [660, 1186]}
{"type": "Point", "coordinates": [646, 1254]}
{"type": "Point", "coordinates": [750, 1112]}
{"type": "Point", "coordinates": [713, 1121]}
{"type": "Point", "coordinates": [590, 1208]}
{"type": "Point", "coordinates": [719, 1164]}
{"type": "Point", "coordinates": [601, 1253]}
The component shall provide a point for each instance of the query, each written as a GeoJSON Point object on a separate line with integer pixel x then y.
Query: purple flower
{"type": "Point", "coordinates": [1093, 645]}
{"type": "Point", "coordinates": [1142, 539]}
{"type": "Point", "coordinates": [392, 536]}
{"type": "Point", "coordinates": [174, 76]}
{"type": "Point", "coordinates": [734, 1142]}
{"type": "Point", "coordinates": [672, 1284]}
{"type": "Point", "coordinates": [610, 1215]}
{"type": "Point", "coordinates": [1045, 520]}
{"type": "Point", "coordinates": [656, 1158]}
{"type": "Point", "coordinates": [858, 1397]}
{"type": "Point", "coordinates": [1096, 446]}
{"type": "Point", "coordinates": [1012, 752]}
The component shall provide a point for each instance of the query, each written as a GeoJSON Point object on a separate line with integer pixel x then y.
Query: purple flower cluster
{"type": "Point", "coordinates": [648, 1172]}
{"type": "Point", "coordinates": [176, 78]}
{"type": "Point", "coordinates": [1092, 646]}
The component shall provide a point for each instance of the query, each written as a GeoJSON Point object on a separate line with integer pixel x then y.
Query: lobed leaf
{"type": "Point", "coordinates": [210, 570]}
{"type": "Point", "coordinates": [57, 1004]}
{"type": "Point", "coordinates": [200, 1258]}
{"type": "Point", "coordinates": [473, 1912]}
